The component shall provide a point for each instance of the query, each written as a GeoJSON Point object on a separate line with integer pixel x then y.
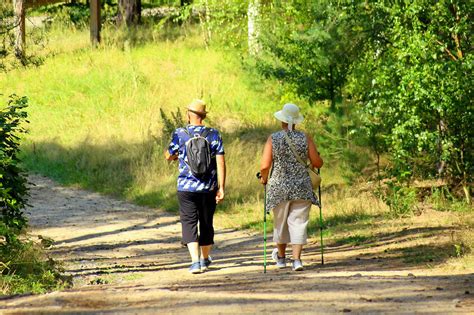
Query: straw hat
{"type": "Point", "coordinates": [198, 107]}
{"type": "Point", "coordinates": [290, 114]}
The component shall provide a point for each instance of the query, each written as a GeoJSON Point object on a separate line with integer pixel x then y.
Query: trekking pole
{"type": "Point", "coordinates": [259, 176]}
{"type": "Point", "coordinates": [321, 220]}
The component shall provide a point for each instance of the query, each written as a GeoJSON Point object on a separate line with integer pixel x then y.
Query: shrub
{"type": "Point", "coordinates": [401, 200]}
{"type": "Point", "coordinates": [13, 189]}
{"type": "Point", "coordinates": [24, 266]}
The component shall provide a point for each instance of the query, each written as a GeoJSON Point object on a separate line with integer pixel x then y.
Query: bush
{"type": "Point", "coordinates": [401, 200]}
{"type": "Point", "coordinates": [24, 267]}
{"type": "Point", "coordinates": [13, 189]}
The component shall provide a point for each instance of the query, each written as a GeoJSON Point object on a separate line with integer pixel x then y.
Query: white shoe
{"type": "Point", "coordinates": [280, 262]}
{"type": "Point", "coordinates": [297, 265]}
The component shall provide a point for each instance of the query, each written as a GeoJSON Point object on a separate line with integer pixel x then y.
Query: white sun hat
{"type": "Point", "coordinates": [290, 114]}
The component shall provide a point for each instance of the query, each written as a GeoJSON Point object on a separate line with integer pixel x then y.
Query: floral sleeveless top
{"type": "Point", "coordinates": [289, 179]}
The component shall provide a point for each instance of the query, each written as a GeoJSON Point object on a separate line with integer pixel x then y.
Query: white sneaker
{"type": "Point", "coordinates": [297, 265]}
{"type": "Point", "coordinates": [280, 262]}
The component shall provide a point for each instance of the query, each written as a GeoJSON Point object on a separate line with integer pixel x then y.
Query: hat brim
{"type": "Point", "coordinates": [279, 115]}
{"type": "Point", "coordinates": [197, 112]}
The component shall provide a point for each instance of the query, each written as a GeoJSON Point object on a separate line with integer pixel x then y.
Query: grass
{"type": "Point", "coordinates": [24, 268]}
{"type": "Point", "coordinates": [95, 123]}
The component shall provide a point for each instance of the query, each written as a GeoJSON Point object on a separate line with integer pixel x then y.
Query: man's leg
{"type": "Point", "coordinates": [205, 250]}
{"type": "Point", "coordinates": [189, 218]}
{"type": "Point", "coordinates": [206, 224]}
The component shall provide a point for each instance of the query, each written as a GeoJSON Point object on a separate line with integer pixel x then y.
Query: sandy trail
{"type": "Point", "coordinates": [128, 259]}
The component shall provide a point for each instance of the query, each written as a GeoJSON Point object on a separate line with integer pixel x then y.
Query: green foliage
{"type": "Point", "coordinates": [23, 264]}
{"type": "Point", "coordinates": [340, 143]}
{"type": "Point", "coordinates": [171, 123]}
{"type": "Point", "coordinates": [24, 267]}
{"type": "Point", "coordinates": [6, 35]}
{"type": "Point", "coordinates": [76, 13]}
{"type": "Point", "coordinates": [8, 60]}
{"type": "Point", "coordinates": [404, 65]}
{"type": "Point", "coordinates": [442, 199]}
{"type": "Point", "coordinates": [13, 189]}
{"type": "Point", "coordinates": [224, 22]}
{"type": "Point", "coordinates": [304, 44]}
{"type": "Point", "coordinates": [412, 88]}
{"type": "Point", "coordinates": [401, 200]}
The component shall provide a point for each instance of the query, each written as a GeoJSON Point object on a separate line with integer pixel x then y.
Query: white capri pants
{"type": "Point", "coordinates": [290, 222]}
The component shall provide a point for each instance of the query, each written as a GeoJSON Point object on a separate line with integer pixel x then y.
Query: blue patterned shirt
{"type": "Point", "coordinates": [186, 180]}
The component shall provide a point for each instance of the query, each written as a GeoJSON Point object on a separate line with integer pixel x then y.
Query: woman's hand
{"type": "Point", "coordinates": [220, 195]}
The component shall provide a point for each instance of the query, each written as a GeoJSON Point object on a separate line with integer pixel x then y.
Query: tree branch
{"type": "Point", "coordinates": [450, 54]}
{"type": "Point", "coordinates": [455, 36]}
{"type": "Point", "coordinates": [8, 28]}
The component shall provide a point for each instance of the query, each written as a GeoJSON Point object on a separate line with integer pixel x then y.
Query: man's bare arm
{"type": "Point", "coordinates": [221, 177]}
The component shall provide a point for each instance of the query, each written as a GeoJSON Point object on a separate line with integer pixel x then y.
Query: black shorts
{"type": "Point", "coordinates": [197, 207]}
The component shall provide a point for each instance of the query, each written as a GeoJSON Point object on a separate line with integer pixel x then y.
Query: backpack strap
{"type": "Point", "coordinates": [186, 131]}
{"type": "Point", "coordinates": [293, 149]}
{"type": "Point", "coordinates": [205, 132]}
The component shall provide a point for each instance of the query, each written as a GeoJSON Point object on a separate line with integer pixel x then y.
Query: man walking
{"type": "Point", "coordinates": [201, 182]}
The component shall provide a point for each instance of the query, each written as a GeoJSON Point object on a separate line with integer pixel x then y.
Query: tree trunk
{"type": "Point", "coordinates": [129, 12]}
{"type": "Point", "coordinates": [253, 13]}
{"type": "Point", "coordinates": [207, 24]}
{"type": "Point", "coordinates": [19, 9]}
{"type": "Point", "coordinates": [95, 22]}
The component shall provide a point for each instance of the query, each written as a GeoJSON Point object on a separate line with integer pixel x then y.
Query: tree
{"type": "Point", "coordinates": [305, 44]}
{"type": "Point", "coordinates": [253, 26]}
{"type": "Point", "coordinates": [129, 12]}
{"type": "Point", "coordinates": [411, 83]}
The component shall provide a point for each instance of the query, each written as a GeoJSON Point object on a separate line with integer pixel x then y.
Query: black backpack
{"type": "Point", "coordinates": [198, 152]}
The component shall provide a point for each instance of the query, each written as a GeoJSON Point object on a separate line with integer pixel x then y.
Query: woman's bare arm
{"type": "Point", "coordinates": [313, 154]}
{"type": "Point", "coordinates": [267, 160]}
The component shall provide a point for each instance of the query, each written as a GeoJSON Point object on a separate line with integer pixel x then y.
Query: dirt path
{"type": "Point", "coordinates": [128, 259]}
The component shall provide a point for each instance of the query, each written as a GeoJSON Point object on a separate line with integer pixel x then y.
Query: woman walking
{"type": "Point", "coordinates": [289, 191]}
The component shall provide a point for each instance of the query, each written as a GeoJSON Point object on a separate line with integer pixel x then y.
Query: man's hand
{"type": "Point", "coordinates": [220, 195]}
{"type": "Point", "coordinates": [170, 157]}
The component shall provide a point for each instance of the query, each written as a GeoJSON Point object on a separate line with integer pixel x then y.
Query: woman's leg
{"type": "Point", "coordinates": [281, 250]}
{"type": "Point", "coordinates": [281, 235]}
{"type": "Point", "coordinates": [298, 218]}
{"type": "Point", "coordinates": [296, 249]}
{"type": "Point", "coordinates": [193, 249]}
